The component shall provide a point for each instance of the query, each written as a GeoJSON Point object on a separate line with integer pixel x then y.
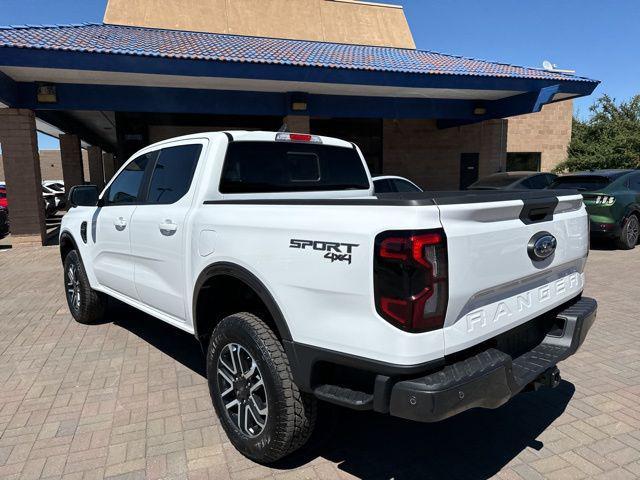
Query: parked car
{"type": "Point", "coordinates": [56, 186]}
{"type": "Point", "coordinates": [4, 222]}
{"type": "Point", "coordinates": [49, 201]}
{"type": "Point", "coordinates": [393, 184]}
{"type": "Point", "coordinates": [54, 189]}
{"type": "Point", "coordinates": [301, 285]}
{"type": "Point", "coordinates": [612, 198]}
{"type": "Point", "coordinates": [514, 181]}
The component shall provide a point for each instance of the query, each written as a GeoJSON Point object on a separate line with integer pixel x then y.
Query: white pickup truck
{"type": "Point", "coordinates": [301, 284]}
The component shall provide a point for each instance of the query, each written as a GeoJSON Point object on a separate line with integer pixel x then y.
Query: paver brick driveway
{"type": "Point", "coordinates": [128, 399]}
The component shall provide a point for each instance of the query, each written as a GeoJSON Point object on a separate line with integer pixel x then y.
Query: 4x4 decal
{"type": "Point", "coordinates": [335, 251]}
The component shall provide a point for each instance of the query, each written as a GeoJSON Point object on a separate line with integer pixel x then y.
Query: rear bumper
{"type": "Point", "coordinates": [490, 378]}
{"type": "Point", "coordinates": [604, 230]}
{"type": "Point", "coordinates": [487, 377]}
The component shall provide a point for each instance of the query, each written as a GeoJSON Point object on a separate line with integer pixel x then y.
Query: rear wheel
{"type": "Point", "coordinates": [630, 232]}
{"type": "Point", "coordinates": [264, 414]}
{"type": "Point", "coordinates": [86, 305]}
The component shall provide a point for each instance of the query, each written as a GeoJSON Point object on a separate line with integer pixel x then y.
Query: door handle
{"type": "Point", "coordinates": [168, 228]}
{"type": "Point", "coordinates": [120, 223]}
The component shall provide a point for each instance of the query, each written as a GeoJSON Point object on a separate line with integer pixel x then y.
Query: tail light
{"type": "Point", "coordinates": [411, 279]}
{"type": "Point", "coordinates": [605, 200]}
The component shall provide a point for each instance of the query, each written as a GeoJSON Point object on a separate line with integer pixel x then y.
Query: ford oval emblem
{"type": "Point", "coordinates": [541, 246]}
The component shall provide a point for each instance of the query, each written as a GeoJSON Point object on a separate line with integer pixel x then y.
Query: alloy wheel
{"type": "Point", "coordinates": [73, 286]}
{"type": "Point", "coordinates": [242, 389]}
{"type": "Point", "coordinates": [632, 230]}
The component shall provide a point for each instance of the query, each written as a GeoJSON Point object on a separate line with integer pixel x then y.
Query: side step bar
{"type": "Point", "coordinates": [344, 397]}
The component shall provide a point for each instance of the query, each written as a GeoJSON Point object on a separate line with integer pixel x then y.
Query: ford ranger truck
{"type": "Point", "coordinates": [301, 285]}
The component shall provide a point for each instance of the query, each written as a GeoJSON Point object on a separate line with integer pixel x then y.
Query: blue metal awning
{"type": "Point", "coordinates": [120, 68]}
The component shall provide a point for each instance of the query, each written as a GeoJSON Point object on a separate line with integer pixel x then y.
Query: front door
{"type": "Point", "coordinates": [468, 169]}
{"type": "Point", "coordinates": [159, 234]}
{"type": "Point", "coordinates": [111, 227]}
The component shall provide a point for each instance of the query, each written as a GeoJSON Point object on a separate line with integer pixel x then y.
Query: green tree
{"type": "Point", "coordinates": [610, 138]}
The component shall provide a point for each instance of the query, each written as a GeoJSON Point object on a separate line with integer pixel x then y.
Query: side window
{"type": "Point", "coordinates": [634, 183]}
{"type": "Point", "coordinates": [383, 186]}
{"type": "Point", "coordinates": [549, 179]}
{"type": "Point", "coordinates": [404, 186]}
{"type": "Point", "coordinates": [125, 188]}
{"type": "Point", "coordinates": [173, 173]}
{"type": "Point", "coordinates": [535, 182]}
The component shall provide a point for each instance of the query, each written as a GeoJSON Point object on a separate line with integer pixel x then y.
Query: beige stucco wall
{"type": "Point", "coordinates": [51, 165]}
{"type": "Point", "coordinates": [430, 157]}
{"type": "Point", "coordinates": [343, 21]}
{"type": "Point", "coordinates": [548, 132]}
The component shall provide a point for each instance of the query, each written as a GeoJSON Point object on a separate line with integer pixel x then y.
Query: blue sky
{"type": "Point", "coordinates": [597, 38]}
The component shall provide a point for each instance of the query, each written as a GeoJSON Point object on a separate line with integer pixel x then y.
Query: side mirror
{"type": "Point", "coordinates": [83, 196]}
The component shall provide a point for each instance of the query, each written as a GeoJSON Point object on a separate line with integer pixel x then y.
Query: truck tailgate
{"type": "Point", "coordinates": [495, 281]}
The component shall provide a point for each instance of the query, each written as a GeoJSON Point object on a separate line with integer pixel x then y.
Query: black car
{"type": "Point", "coordinates": [514, 181]}
{"type": "Point", "coordinates": [4, 222]}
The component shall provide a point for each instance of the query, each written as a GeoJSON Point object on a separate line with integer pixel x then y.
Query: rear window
{"type": "Point", "coordinates": [267, 167]}
{"type": "Point", "coordinates": [583, 183]}
{"type": "Point", "coordinates": [496, 181]}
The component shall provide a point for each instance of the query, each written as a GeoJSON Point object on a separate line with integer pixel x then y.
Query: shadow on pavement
{"type": "Point", "coordinates": [601, 244]}
{"type": "Point", "coordinates": [473, 445]}
{"type": "Point", "coordinates": [179, 345]}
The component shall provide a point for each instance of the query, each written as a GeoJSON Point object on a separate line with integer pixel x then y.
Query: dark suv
{"type": "Point", "coordinates": [612, 198]}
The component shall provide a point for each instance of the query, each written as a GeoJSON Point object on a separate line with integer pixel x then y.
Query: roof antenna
{"type": "Point", "coordinates": [284, 128]}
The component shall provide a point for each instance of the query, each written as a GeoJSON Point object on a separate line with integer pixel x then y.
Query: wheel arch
{"type": "Point", "coordinates": [67, 244]}
{"type": "Point", "coordinates": [241, 274]}
{"type": "Point", "coordinates": [631, 209]}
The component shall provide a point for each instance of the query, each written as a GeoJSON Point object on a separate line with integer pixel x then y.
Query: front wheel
{"type": "Point", "coordinates": [264, 414]}
{"type": "Point", "coordinates": [86, 305]}
{"type": "Point", "coordinates": [630, 232]}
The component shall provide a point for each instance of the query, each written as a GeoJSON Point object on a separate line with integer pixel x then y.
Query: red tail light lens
{"type": "Point", "coordinates": [411, 283]}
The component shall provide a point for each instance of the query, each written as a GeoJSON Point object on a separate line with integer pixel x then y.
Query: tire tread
{"type": "Point", "coordinates": [92, 303]}
{"type": "Point", "coordinates": [300, 408]}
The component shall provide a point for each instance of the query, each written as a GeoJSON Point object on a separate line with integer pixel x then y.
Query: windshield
{"type": "Point", "coordinates": [581, 182]}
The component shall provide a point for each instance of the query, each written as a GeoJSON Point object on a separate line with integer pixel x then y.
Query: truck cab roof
{"type": "Point", "coordinates": [251, 136]}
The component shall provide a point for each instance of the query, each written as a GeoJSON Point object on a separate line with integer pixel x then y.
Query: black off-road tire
{"type": "Point", "coordinates": [291, 413]}
{"type": "Point", "coordinates": [629, 235]}
{"type": "Point", "coordinates": [89, 306]}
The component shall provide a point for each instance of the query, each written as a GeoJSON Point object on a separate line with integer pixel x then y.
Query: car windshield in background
{"type": "Point", "coordinates": [581, 182]}
{"type": "Point", "coordinates": [269, 167]}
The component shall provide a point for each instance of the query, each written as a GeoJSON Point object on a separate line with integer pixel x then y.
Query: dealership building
{"type": "Point", "coordinates": [160, 68]}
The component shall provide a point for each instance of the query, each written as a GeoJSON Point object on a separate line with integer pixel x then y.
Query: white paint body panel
{"type": "Point", "coordinates": [331, 304]}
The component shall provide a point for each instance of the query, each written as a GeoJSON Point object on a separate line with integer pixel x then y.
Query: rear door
{"type": "Point", "coordinates": [495, 280]}
{"type": "Point", "coordinates": [158, 233]}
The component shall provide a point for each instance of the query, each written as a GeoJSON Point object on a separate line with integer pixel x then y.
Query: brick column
{"type": "Point", "coordinates": [297, 123]}
{"type": "Point", "coordinates": [109, 164]}
{"type": "Point", "coordinates": [22, 174]}
{"type": "Point", "coordinates": [96, 172]}
{"type": "Point", "coordinates": [71, 155]}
